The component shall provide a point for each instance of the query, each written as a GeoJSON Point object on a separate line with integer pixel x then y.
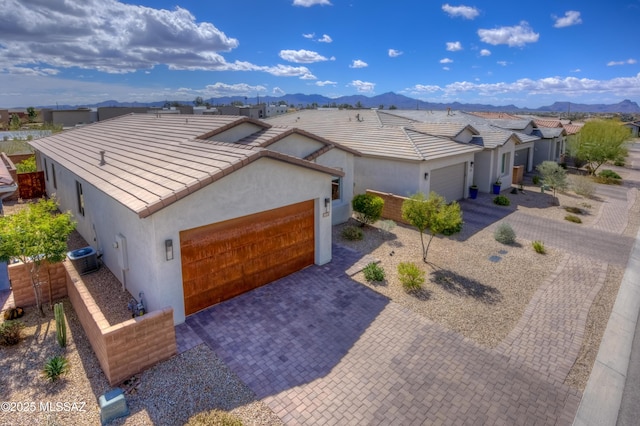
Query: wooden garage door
{"type": "Point", "coordinates": [449, 181]}
{"type": "Point", "coordinates": [225, 259]}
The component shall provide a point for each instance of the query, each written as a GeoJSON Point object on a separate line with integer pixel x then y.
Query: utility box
{"type": "Point", "coordinates": [85, 260]}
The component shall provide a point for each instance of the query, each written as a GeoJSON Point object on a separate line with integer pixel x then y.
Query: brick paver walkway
{"type": "Point", "coordinates": [319, 348]}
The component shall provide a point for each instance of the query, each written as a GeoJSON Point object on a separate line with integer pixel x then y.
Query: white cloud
{"type": "Point", "coordinates": [325, 39]}
{"type": "Point", "coordinates": [454, 46]}
{"type": "Point", "coordinates": [571, 17]}
{"type": "Point", "coordinates": [308, 76]}
{"type": "Point", "coordinates": [554, 86]}
{"type": "Point", "coordinates": [222, 89]}
{"type": "Point", "coordinates": [393, 53]}
{"type": "Point", "coordinates": [309, 36]}
{"type": "Point", "coordinates": [278, 92]}
{"type": "Point", "coordinates": [503, 63]}
{"type": "Point", "coordinates": [309, 3]}
{"type": "Point", "coordinates": [108, 36]}
{"type": "Point", "coordinates": [446, 61]}
{"type": "Point", "coordinates": [467, 12]}
{"type": "Point", "coordinates": [325, 83]}
{"type": "Point", "coordinates": [629, 61]}
{"type": "Point", "coordinates": [302, 56]}
{"type": "Point", "coordinates": [485, 52]}
{"type": "Point", "coordinates": [517, 35]}
{"type": "Point", "coordinates": [357, 63]}
{"type": "Point", "coordinates": [362, 86]}
{"type": "Point", "coordinates": [576, 70]}
{"type": "Point", "coordinates": [446, 68]}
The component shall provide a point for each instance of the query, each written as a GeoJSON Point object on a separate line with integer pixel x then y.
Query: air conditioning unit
{"type": "Point", "coordinates": [85, 260]}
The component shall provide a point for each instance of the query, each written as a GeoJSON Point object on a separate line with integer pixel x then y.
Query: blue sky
{"type": "Point", "coordinates": [527, 53]}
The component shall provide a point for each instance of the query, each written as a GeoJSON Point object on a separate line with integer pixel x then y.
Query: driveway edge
{"type": "Point", "coordinates": [602, 397]}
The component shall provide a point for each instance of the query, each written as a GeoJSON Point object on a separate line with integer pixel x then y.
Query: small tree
{"type": "Point", "coordinates": [32, 114]}
{"type": "Point", "coordinates": [553, 175]}
{"type": "Point", "coordinates": [36, 235]}
{"type": "Point", "coordinates": [15, 123]}
{"type": "Point", "coordinates": [599, 141]}
{"type": "Point", "coordinates": [432, 214]}
{"type": "Point", "coordinates": [367, 208]}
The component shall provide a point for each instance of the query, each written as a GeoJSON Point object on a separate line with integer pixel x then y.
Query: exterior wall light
{"type": "Point", "coordinates": [168, 248]}
{"type": "Point", "coordinates": [426, 176]}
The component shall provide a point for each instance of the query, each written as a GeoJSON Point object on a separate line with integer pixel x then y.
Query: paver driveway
{"type": "Point", "coordinates": [319, 348]}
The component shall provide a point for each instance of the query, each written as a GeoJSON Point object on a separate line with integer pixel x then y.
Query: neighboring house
{"type": "Point", "coordinates": [399, 155]}
{"type": "Point", "coordinates": [634, 126]}
{"type": "Point", "coordinates": [195, 210]}
{"type": "Point", "coordinates": [69, 117]}
{"type": "Point", "coordinates": [8, 186]}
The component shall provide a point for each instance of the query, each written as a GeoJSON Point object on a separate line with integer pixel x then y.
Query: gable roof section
{"type": "Point", "coordinates": [431, 147]}
{"type": "Point", "coordinates": [152, 162]}
{"type": "Point", "coordinates": [547, 123]}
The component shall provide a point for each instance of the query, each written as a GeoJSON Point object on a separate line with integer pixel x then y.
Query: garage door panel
{"type": "Point", "coordinates": [226, 259]}
{"type": "Point", "coordinates": [449, 181]}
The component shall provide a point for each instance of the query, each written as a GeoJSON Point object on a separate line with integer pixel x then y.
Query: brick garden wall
{"type": "Point", "coordinates": [23, 294]}
{"type": "Point", "coordinates": [392, 206]}
{"type": "Point", "coordinates": [123, 349]}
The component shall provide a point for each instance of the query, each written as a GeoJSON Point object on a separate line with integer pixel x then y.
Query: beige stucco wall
{"type": "Point", "coordinates": [262, 185]}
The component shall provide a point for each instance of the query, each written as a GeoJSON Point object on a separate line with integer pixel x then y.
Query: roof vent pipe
{"type": "Point", "coordinates": [102, 162]}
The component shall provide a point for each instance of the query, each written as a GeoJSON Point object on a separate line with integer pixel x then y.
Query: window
{"type": "Point", "coordinates": [335, 188]}
{"type": "Point", "coordinates": [53, 173]}
{"type": "Point", "coordinates": [80, 198]}
{"type": "Point", "coordinates": [504, 166]}
{"type": "Point", "coordinates": [46, 171]}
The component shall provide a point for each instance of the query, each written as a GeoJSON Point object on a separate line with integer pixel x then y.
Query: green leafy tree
{"type": "Point", "coordinates": [553, 175]}
{"type": "Point", "coordinates": [393, 107]}
{"type": "Point", "coordinates": [27, 166]}
{"type": "Point", "coordinates": [15, 123]}
{"type": "Point", "coordinates": [600, 141]}
{"type": "Point", "coordinates": [198, 101]}
{"type": "Point", "coordinates": [367, 208]}
{"type": "Point", "coordinates": [359, 105]}
{"type": "Point", "coordinates": [32, 114]}
{"type": "Point", "coordinates": [432, 214]}
{"type": "Point", "coordinates": [37, 236]}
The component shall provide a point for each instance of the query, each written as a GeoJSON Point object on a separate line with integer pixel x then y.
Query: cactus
{"type": "Point", "coordinates": [61, 325]}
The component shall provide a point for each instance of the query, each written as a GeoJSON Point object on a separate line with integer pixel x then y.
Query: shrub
{"type": "Point", "coordinates": [27, 166]}
{"type": "Point", "coordinates": [538, 246]}
{"type": "Point", "coordinates": [572, 218]}
{"type": "Point", "coordinates": [619, 162]}
{"type": "Point", "coordinates": [535, 179]}
{"type": "Point", "coordinates": [11, 332]}
{"type": "Point", "coordinates": [583, 186]}
{"type": "Point", "coordinates": [373, 272]}
{"type": "Point", "coordinates": [214, 418]}
{"type": "Point", "coordinates": [367, 208]}
{"type": "Point", "coordinates": [609, 174]}
{"type": "Point", "coordinates": [352, 233]}
{"type": "Point", "coordinates": [501, 200]}
{"type": "Point", "coordinates": [505, 234]}
{"type": "Point", "coordinates": [55, 367]}
{"type": "Point", "coordinates": [574, 210]}
{"type": "Point", "coordinates": [410, 276]}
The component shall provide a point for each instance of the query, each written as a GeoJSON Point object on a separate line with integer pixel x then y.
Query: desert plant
{"type": "Point", "coordinates": [27, 166]}
{"type": "Point", "coordinates": [505, 234]}
{"type": "Point", "coordinates": [538, 246]}
{"type": "Point", "coordinates": [11, 332]}
{"type": "Point", "coordinates": [501, 200]}
{"type": "Point", "coordinates": [431, 214]}
{"type": "Point", "coordinates": [214, 418]}
{"type": "Point", "coordinates": [598, 142]}
{"type": "Point", "coordinates": [535, 179]}
{"type": "Point", "coordinates": [367, 208]}
{"type": "Point", "coordinates": [352, 233]}
{"type": "Point", "coordinates": [373, 272]}
{"type": "Point", "coordinates": [61, 325]}
{"type": "Point", "coordinates": [607, 173]}
{"type": "Point", "coordinates": [583, 186]}
{"type": "Point", "coordinates": [572, 218]}
{"type": "Point", "coordinates": [55, 367]}
{"type": "Point", "coordinates": [574, 210]}
{"type": "Point", "coordinates": [553, 176]}
{"type": "Point", "coordinates": [410, 276]}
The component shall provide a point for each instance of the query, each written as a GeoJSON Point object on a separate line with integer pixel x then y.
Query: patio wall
{"type": "Point", "coordinates": [23, 294]}
{"type": "Point", "coordinates": [392, 206]}
{"type": "Point", "coordinates": [123, 349]}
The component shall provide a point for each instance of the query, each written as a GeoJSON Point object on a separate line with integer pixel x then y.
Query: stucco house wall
{"type": "Point", "coordinates": [387, 175]}
{"type": "Point", "coordinates": [244, 192]}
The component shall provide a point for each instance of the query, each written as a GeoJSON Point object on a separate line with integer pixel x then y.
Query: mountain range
{"type": "Point", "coordinates": [386, 100]}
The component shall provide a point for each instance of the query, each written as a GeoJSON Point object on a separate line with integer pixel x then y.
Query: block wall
{"type": "Point", "coordinates": [392, 206]}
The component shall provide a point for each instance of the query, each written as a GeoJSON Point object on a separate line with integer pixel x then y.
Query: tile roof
{"type": "Point", "coordinates": [572, 129]}
{"type": "Point", "coordinates": [550, 132]}
{"type": "Point", "coordinates": [547, 123]}
{"type": "Point", "coordinates": [366, 132]}
{"type": "Point", "coordinates": [491, 114]}
{"type": "Point", "coordinates": [153, 161]}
